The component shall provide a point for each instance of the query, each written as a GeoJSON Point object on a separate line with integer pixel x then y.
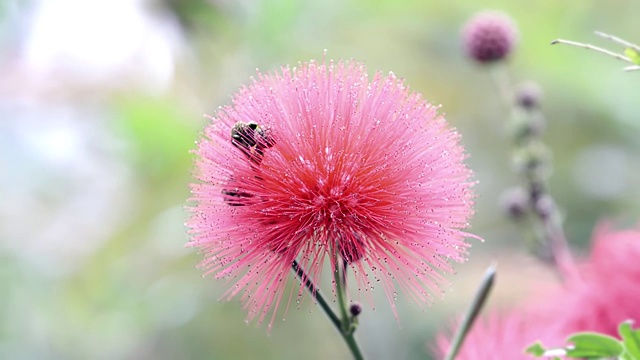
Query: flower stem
{"type": "Point", "coordinates": [562, 259]}
{"type": "Point", "coordinates": [500, 78]}
{"type": "Point", "coordinates": [472, 312]}
{"type": "Point", "coordinates": [353, 346]}
{"type": "Point", "coordinates": [346, 329]}
{"type": "Point", "coordinates": [342, 325]}
{"type": "Point", "coordinates": [551, 234]}
{"type": "Point", "coordinates": [340, 289]}
{"type": "Point", "coordinates": [316, 295]}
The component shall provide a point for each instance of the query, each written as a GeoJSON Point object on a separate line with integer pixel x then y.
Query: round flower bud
{"type": "Point", "coordinates": [545, 206]}
{"type": "Point", "coordinates": [532, 160]}
{"type": "Point", "coordinates": [514, 202]}
{"type": "Point", "coordinates": [525, 125]}
{"type": "Point", "coordinates": [528, 95]}
{"type": "Point", "coordinates": [489, 36]}
{"type": "Point", "coordinates": [355, 309]}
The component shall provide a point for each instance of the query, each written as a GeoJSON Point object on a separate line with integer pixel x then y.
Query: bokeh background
{"type": "Point", "coordinates": [101, 101]}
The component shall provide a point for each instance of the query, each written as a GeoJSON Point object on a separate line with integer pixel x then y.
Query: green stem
{"type": "Point", "coordinates": [342, 325]}
{"type": "Point", "coordinates": [353, 346]}
{"type": "Point", "coordinates": [472, 312]}
{"type": "Point", "coordinates": [500, 78]}
{"type": "Point", "coordinates": [347, 330]}
{"type": "Point", "coordinates": [316, 295]}
{"type": "Point", "coordinates": [340, 289]}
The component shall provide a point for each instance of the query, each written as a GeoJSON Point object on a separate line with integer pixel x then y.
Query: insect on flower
{"type": "Point", "coordinates": [252, 140]}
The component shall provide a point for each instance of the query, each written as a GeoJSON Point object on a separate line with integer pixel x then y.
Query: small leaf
{"type": "Point", "coordinates": [633, 54]}
{"type": "Point", "coordinates": [535, 349]}
{"type": "Point", "coordinates": [593, 345]}
{"type": "Point", "coordinates": [630, 341]}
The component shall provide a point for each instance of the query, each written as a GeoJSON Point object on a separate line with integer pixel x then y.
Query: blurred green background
{"type": "Point", "coordinates": [101, 101]}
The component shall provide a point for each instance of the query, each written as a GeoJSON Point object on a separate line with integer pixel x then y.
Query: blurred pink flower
{"type": "Point", "coordinates": [329, 163]}
{"type": "Point", "coordinates": [504, 336]}
{"type": "Point", "coordinates": [609, 291]}
{"type": "Point", "coordinates": [605, 294]}
{"type": "Point", "coordinates": [489, 36]}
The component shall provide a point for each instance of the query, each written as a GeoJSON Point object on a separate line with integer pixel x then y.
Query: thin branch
{"type": "Point", "coordinates": [591, 47]}
{"type": "Point", "coordinates": [618, 40]}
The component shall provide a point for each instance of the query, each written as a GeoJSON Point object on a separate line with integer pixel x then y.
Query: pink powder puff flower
{"type": "Point", "coordinates": [504, 336]}
{"type": "Point", "coordinates": [605, 294]}
{"type": "Point", "coordinates": [608, 292]}
{"type": "Point", "coordinates": [489, 36]}
{"type": "Point", "coordinates": [327, 162]}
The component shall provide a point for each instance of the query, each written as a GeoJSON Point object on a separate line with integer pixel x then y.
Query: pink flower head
{"type": "Point", "coordinates": [504, 336]}
{"type": "Point", "coordinates": [489, 36]}
{"type": "Point", "coordinates": [606, 294]}
{"type": "Point", "coordinates": [609, 290]}
{"type": "Point", "coordinates": [322, 161]}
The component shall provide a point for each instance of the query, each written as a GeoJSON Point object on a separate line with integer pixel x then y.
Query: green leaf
{"type": "Point", "coordinates": [535, 349]}
{"type": "Point", "coordinates": [593, 345]}
{"type": "Point", "coordinates": [633, 54]}
{"type": "Point", "coordinates": [630, 341]}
